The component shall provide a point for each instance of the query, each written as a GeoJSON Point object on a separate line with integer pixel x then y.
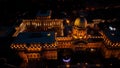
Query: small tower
{"type": "Point", "coordinates": [79, 28]}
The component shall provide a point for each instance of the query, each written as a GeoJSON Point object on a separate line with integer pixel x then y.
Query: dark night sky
{"type": "Point", "coordinates": [15, 5]}
{"type": "Point", "coordinates": [18, 5]}
{"type": "Point", "coordinates": [23, 3]}
{"type": "Point", "coordinates": [8, 8]}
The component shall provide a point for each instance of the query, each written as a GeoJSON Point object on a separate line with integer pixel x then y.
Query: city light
{"type": "Point", "coordinates": [48, 34]}
{"type": "Point", "coordinates": [112, 28]}
{"type": "Point", "coordinates": [67, 21]}
{"type": "Point", "coordinates": [66, 60]}
{"type": "Point", "coordinates": [59, 34]}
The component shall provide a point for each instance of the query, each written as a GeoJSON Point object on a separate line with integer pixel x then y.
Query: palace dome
{"type": "Point", "coordinates": [80, 22]}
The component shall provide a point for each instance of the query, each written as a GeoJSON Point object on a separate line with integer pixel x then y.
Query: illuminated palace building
{"type": "Point", "coordinates": [42, 37]}
{"type": "Point", "coordinates": [111, 46]}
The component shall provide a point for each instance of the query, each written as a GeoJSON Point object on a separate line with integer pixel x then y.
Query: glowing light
{"type": "Point", "coordinates": [80, 37]}
{"type": "Point", "coordinates": [48, 34]}
{"type": "Point", "coordinates": [75, 37]}
{"type": "Point", "coordinates": [111, 28]}
{"type": "Point", "coordinates": [66, 60]}
{"type": "Point", "coordinates": [112, 34]}
{"type": "Point", "coordinates": [92, 49]}
{"type": "Point", "coordinates": [68, 21]}
{"type": "Point", "coordinates": [86, 63]}
{"type": "Point", "coordinates": [67, 65]}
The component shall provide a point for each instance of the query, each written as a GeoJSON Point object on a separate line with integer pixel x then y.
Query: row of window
{"type": "Point", "coordinates": [33, 55]}
{"type": "Point", "coordinates": [44, 23]}
{"type": "Point", "coordinates": [64, 43]}
{"type": "Point", "coordinates": [32, 46]}
{"type": "Point", "coordinates": [109, 43]}
{"type": "Point", "coordinates": [63, 38]}
{"type": "Point", "coordinates": [95, 37]}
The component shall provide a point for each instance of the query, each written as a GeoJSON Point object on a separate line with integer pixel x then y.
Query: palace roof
{"type": "Point", "coordinates": [35, 37]}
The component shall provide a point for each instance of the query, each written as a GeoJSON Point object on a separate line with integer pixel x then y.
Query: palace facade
{"type": "Point", "coordinates": [43, 37]}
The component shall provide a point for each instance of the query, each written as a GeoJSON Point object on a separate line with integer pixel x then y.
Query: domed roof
{"type": "Point", "coordinates": [80, 22]}
{"type": "Point", "coordinates": [77, 22]}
